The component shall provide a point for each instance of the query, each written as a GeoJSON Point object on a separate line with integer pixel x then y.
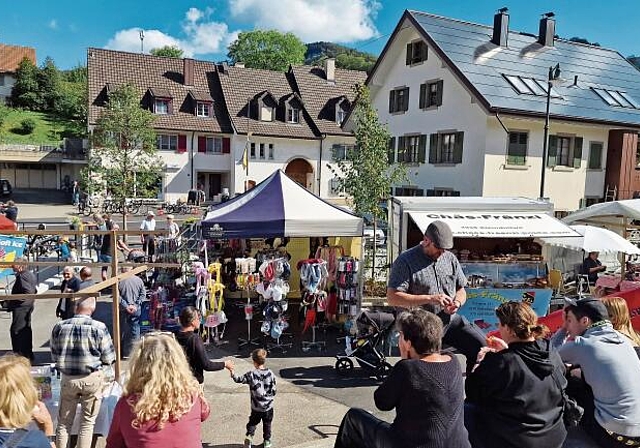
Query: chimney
{"type": "Point", "coordinates": [330, 69]}
{"type": "Point", "coordinates": [547, 29]}
{"type": "Point", "coordinates": [501, 28]}
{"type": "Point", "coordinates": [188, 72]}
{"type": "Point", "coordinates": [239, 64]}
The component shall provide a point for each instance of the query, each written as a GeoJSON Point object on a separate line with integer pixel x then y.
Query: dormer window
{"type": "Point", "coordinates": [262, 106]}
{"type": "Point", "coordinates": [342, 106]}
{"type": "Point", "coordinates": [340, 115]}
{"type": "Point", "coordinates": [292, 107]}
{"type": "Point", "coordinates": [201, 103]}
{"type": "Point", "coordinates": [161, 101]}
{"type": "Point", "coordinates": [266, 112]}
{"type": "Point", "coordinates": [161, 107]}
{"type": "Point", "coordinates": [293, 115]}
{"type": "Point", "coordinates": [203, 109]}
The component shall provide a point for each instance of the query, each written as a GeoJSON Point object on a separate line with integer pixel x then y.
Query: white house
{"type": "Point", "coordinates": [10, 58]}
{"type": "Point", "coordinates": [466, 104]}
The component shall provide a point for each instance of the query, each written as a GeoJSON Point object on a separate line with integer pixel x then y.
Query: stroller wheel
{"type": "Point", "coordinates": [383, 370]}
{"type": "Point", "coordinates": [344, 366]}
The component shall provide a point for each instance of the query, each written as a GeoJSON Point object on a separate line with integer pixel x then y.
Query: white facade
{"type": "Point", "coordinates": [7, 82]}
{"type": "Point", "coordinates": [483, 171]}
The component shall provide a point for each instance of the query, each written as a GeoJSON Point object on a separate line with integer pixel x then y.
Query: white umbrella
{"type": "Point", "coordinates": [594, 239]}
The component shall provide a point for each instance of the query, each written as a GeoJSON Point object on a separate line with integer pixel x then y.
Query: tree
{"type": "Point", "coordinates": [4, 114]}
{"type": "Point", "coordinates": [49, 85]}
{"type": "Point", "coordinates": [267, 49]}
{"type": "Point", "coordinates": [126, 142]}
{"type": "Point", "coordinates": [168, 51]}
{"type": "Point", "coordinates": [365, 175]}
{"type": "Point", "coordinates": [26, 92]}
{"type": "Point", "coordinates": [582, 40]}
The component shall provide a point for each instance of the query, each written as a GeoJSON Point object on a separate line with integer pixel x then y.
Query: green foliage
{"type": "Point", "coordinates": [366, 176]}
{"type": "Point", "coordinates": [267, 49]}
{"type": "Point", "coordinates": [49, 128]}
{"type": "Point", "coordinates": [4, 114]}
{"type": "Point", "coordinates": [26, 91]}
{"type": "Point", "coordinates": [346, 57]}
{"type": "Point", "coordinates": [635, 60]}
{"type": "Point", "coordinates": [168, 51]}
{"type": "Point", "coordinates": [49, 85]}
{"type": "Point", "coordinates": [582, 40]}
{"type": "Point", "coordinates": [27, 126]}
{"type": "Point", "coordinates": [78, 74]}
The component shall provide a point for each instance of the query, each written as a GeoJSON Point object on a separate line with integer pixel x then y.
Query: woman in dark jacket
{"type": "Point", "coordinates": [193, 346]}
{"type": "Point", "coordinates": [514, 396]}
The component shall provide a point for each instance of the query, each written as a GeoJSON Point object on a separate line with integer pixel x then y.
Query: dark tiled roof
{"type": "Point", "coordinates": [160, 93]}
{"type": "Point", "coordinates": [481, 64]}
{"type": "Point", "coordinates": [12, 55]}
{"type": "Point", "coordinates": [109, 69]}
{"type": "Point", "coordinates": [320, 96]}
{"type": "Point", "coordinates": [201, 95]}
{"type": "Point", "coordinates": [241, 84]}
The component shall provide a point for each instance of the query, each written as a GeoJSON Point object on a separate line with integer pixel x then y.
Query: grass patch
{"type": "Point", "coordinates": [49, 129]}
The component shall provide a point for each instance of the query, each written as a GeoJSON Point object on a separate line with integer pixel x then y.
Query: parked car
{"type": "Point", "coordinates": [381, 238]}
{"type": "Point", "coordinates": [5, 187]}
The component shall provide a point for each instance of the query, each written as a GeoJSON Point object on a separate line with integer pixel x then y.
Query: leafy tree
{"type": "Point", "coordinates": [26, 92]}
{"type": "Point", "coordinates": [78, 74]}
{"type": "Point", "coordinates": [635, 60]}
{"type": "Point", "coordinates": [267, 49]}
{"type": "Point", "coordinates": [346, 57]}
{"type": "Point", "coordinates": [365, 175]}
{"type": "Point", "coordinates": [4, 114]}
{"type": "Point", "coordinates": [582, 40]}
{"type": "Point", "coordinates": [49, 85]}
{"type": "Point", "coordinates": [168, 51]}
{"type": "Point", "coordinates": [126, 142]}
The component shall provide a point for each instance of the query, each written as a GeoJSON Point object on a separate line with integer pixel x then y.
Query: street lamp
{"type": "Point", "coordinates": [554, 75]}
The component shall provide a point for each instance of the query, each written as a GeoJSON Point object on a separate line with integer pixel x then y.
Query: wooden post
{"type": "Point", "coordinates": [115, 294]}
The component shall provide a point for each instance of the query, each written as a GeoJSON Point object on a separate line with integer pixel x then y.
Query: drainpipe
{"type": "Point", "coordinates": [323, 136]}
{"type": "Point", "coordinates": [191, 155]}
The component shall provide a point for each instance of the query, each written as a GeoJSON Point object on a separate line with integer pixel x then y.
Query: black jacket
{"type": "Point", "coordinates": [26, 283]}
{"type": "Point", "coordinates": [69, 307]}
{"type": "Point", "coordinates": [197, 357]}
{"type": "Point", "coordinates": [519, 399]}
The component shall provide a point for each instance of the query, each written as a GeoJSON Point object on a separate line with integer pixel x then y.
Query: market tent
{"type": "Point", "coordinates": [607, 212]}
{"type": "Point", "coordinates": [594, 239]}
{"type": "Point", "coordinates": [278, 206]}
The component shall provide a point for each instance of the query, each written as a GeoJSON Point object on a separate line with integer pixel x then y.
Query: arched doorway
{"type": "Point", "coordinates": [302, 172]}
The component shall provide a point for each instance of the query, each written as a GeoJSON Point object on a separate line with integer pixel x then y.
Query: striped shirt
{"type": "Point", "coordinates": [262, 384]}
{"type": "Point", "coordinates": [81, 345]}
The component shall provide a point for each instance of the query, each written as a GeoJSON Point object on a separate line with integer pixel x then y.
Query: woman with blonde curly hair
{"type": "Point", "coordinates": [162, 405]}
{"type": "Point", "coordinates": [621, 319]}
{"type": "Point", "coordinates": [19, 406]}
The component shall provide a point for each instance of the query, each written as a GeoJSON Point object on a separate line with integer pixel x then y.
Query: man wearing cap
{"type": "Point", "coordinates": [148, 241]}
{"type": "Point", "coordinates": [606, 384]}
{"type": "Point", "coordinates": [429, 276]}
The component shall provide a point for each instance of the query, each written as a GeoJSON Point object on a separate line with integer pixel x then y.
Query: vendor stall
{"type": "Point", "coordinates": [494, 241]}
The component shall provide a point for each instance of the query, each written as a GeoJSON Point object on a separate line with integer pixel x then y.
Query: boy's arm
{"type": "Point", "coordinates": [243, 379]}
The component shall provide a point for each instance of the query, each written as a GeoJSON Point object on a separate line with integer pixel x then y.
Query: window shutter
{"type": "Point", "coordinates": [423, 96]}
{"type": "Point", "coordinates": [406, 99]}
{"type": "Point", "coordinates": [408, 60]}
{"type": "Point", "coordinates": [391, 151]}
{"type": "Point", "coordinates": [170, 107]}
{"type": "Point", "coordinates": [402, 151]}
{"type": "Point", "coordinates": [440, 85]}
{"type": "Point", "coordinates": [457, 149]}
{"type": "Point", "coordinates": [553, 151]}
{"type": "Point", "coordinates": [182, 143]}
{"type": "Point", "coordinates": [455, 193]}
{"type": "Point", "coordinates": [431, 192]}
{"type": "Point", "coordinates": [202, 144]}
{"type": "Point", "coordinates": [226, 145]}
{"type": "Point", "coordinates": [424, 52]}
{"type": "Point", "coordinates": [577, 152]}
{"type": "Point", "coordinates": [595, 156]}
{"type": "Point", "coordinates": [433, 149]}
{"type": "Point", "coordinates": [422, 148]}
{"type": "Point", "coordinates": [419, 192]}
{"type": "Point", "coordinates": [392, 100]}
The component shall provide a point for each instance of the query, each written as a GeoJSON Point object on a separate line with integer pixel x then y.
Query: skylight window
{"type": "Point", "coordinates": [530, 86]}
{"type": "Point", "coordinates": [615, 98]}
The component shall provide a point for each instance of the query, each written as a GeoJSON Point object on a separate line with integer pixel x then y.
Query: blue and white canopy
{"type": "Point", "coordinates": [278, 206]}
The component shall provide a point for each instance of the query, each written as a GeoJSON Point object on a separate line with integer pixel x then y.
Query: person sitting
{"type": "Point", "coordinates": [163, 404]}
{"type": "Point", "coordinates": [591, 266]}
{"type": "Point", "coordinates": [19, 406]}
{"type": "Point", "coordinates": [424, 387]}
{"type": "Point", "coordinates": [621, 320]}
{"type": "Point", "coordinates": [514, 395]}
{"type": "Point", "coordinates": [604, 385]}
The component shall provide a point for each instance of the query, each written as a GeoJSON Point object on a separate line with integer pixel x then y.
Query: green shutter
{"type": "Point", "coordinates": [577, 152]}
{"type": "Point", "coordinates": [431, 192]}
{"type": "Point", "coordinates": [422, 148]}
{"type": "Point", "coordinates": [424, 54]}
{"type": "Point", "coordinates": [391, 152]}
{"type": "Point", "coordinates": [553, 151]}
{"type": "Point", "coordinates": [440, 85]}
{"type": "Point", "coordinates": [392, 101]}
{"type": "Point", "coordinates": [406, 99]}
{"type": "Point", "coordinates": [457, 149]}
{"type": "Point", "coordinates": [423, 96]}
{"type": "Point", "coordinates": [595, 156]}
{"type": "Point", "coordinates": [433, 148]}
{"type": "Point", "coordinates": [408, 61]}
{"type": "Point", "coordinates": [402, 150]}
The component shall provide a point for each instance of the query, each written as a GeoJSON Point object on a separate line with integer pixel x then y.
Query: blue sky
{"type": "Point", "coordinates": [63, 29]}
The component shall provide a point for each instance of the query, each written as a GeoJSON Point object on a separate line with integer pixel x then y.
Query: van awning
{"type": "Point", "coordinates": [496, 225]}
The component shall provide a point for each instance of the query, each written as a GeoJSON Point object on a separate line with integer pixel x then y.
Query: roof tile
{"type": "Point", "coordinates": [12, 55]}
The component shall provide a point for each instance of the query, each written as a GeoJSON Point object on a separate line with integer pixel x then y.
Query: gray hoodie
{"type": "Point", "coordinates": [610, 366]}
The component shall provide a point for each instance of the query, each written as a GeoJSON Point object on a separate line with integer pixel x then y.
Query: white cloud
{"type": "Point", "coordinates": [312, 20]}
{"type": "Point", "coordinates": [53, 24]}
{"type": "Point", "coordinates": [200, 36]}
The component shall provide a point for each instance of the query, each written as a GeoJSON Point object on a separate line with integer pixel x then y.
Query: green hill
{"type": "Point", "coordinates": [48, 129]}
{"type": "Point", "coordinates": [345, 57]}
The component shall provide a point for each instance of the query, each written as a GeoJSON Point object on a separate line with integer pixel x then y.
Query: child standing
{"type": "Point", "coordinates": [262, 385]}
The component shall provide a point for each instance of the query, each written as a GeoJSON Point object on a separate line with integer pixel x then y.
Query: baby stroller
{"type": "Point", "coordinates": [373, 327]}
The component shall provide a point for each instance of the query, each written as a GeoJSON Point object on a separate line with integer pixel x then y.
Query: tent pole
{"type": "Point", "coordinates": [623, 256]}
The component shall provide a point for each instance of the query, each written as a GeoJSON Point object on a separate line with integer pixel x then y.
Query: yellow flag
{"type": "Point", "coordinates": [245, 159]}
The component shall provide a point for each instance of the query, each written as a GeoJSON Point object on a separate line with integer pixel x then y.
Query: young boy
{"type": "Point", "coordinates": [262, 384]}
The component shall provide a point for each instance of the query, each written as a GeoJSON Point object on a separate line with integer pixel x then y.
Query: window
{"type": "Point", "coordinates": [161, 107]}
{"type": "Point", "coordinates": [412, 148]}
{"type": "Point", "coordinates": [441, 192]}
{"type": "Point", "coordinates": [517, 150]}
{"type": "Point", "coordinates": [2, 82]}
{"type": "Point", "coordinates": [167, 142]}
{"type": "Point", "coordinates": [399, 100]}
{"type": "Point", "coordinates": [214, 145]}
{"type": "Point", "coordinates": [416, 52]}
{"type": "Point", "coordinates": [293, 115]}
{"type": "Point", "coordinates": [446, 147]}
{"type": "Point", "coordinates": [203, 110]}
{"type": "Point", "coordinates": [409, 190]}
{"type": "Point", "coordinates": [252, 151]}
{"type": "Point", "coordinates": [616, 98]}
{"type": "Point", "coordinates": [530, 86]}
{"type": "Point", "coordinates": [266, 113]}
{"type": "Point", "coordinates": [595, 155]}
{"type": "Point", "coordinates": [431, 94]}
{"type": "Point", "coordinates": [340, 115]}
{"type": "Point", "coordinates": [564, 151]}
{"type": "Point", "coordinates": [262, 150]}
{"type": "Point", "coordinates": [341, 151]}
{"type": "Point", "coordinates": [270, 151]}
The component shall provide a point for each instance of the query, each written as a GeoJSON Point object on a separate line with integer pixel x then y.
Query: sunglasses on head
{"type": "Point", "coordinates": [154, 334]}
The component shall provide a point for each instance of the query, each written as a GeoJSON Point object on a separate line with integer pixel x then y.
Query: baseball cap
{"type": "Point", "coordinates": [440, 233]}
{"type": "Point", "coordinates": [150, 213]}
{"type": "Point", "coordinates": [592, 307]}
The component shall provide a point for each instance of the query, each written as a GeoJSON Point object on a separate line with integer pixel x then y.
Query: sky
{"type": "Point", "coordinates": [63, 29]}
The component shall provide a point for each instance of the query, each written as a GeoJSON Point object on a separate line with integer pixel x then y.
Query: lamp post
{"type": "Point", "coordinates": [554, 75]}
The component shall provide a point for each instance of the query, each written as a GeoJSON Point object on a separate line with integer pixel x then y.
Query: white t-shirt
{"type": "Point", "coordinates": [148, 224]}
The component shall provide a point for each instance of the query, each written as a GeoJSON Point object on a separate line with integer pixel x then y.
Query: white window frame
{"type": "Point", "coordinates": [271, 151]}
{"type": "Point", "coordinates": [560, 148]}
{"type": "Point", "coordinates": [526, 149]}
{"type": "Point", "coordinates": [293, 115]}
{"type": "Point", "coordinates": [214, 145]}
{"type": "Point", "coordinates": [341, 114]}
{"type": "Point", "coordinates": [412, 148]}
{"type": "Point", "coordinates": [167, 142]}
{"type": "Point", "coordinates": [203, 109]}
{"type": "Point", "coordinates": [161, 110]}
{"type": "Point", "coordinates": [446, 149]}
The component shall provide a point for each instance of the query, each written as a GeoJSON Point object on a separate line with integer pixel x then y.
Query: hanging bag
{"type": "Point", "coordinates": [572, 412]}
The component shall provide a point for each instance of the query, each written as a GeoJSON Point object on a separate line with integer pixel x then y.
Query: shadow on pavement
{"type": "Point", "coordinates": [327, 377]}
